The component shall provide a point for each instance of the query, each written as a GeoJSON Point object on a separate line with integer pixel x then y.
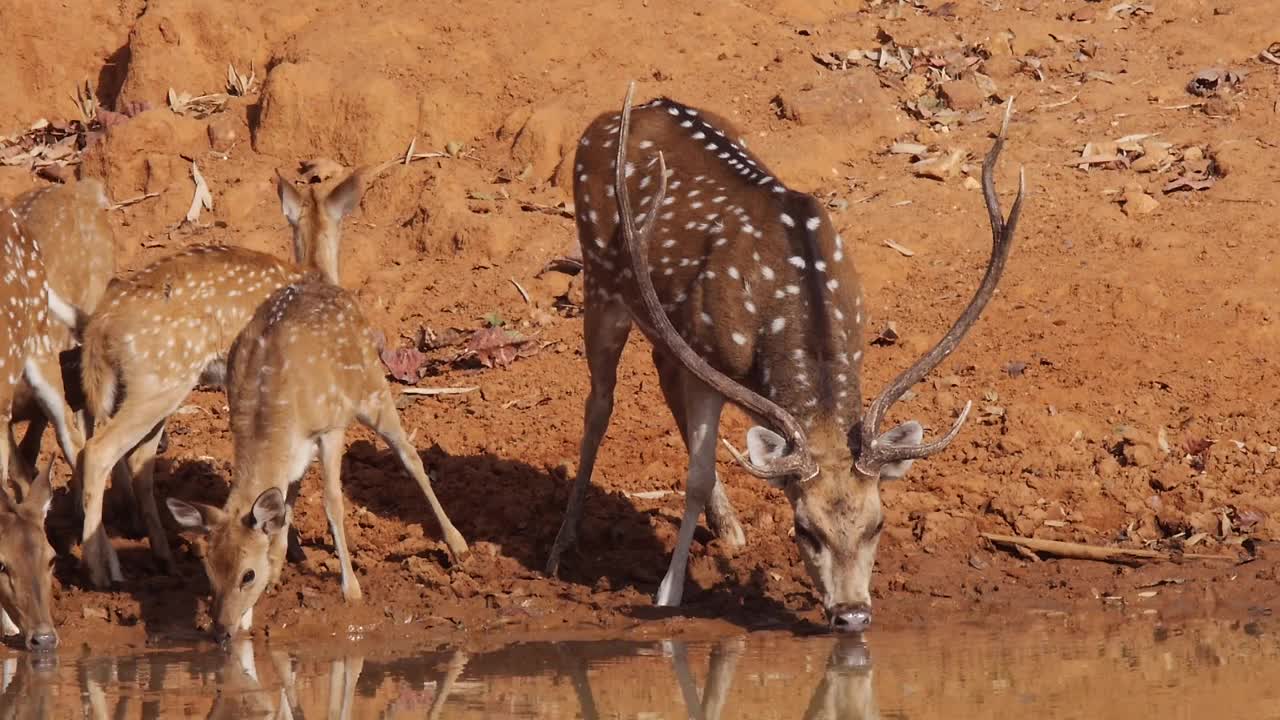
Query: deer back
{"type": "Point", "coordinates": [751, 274]}
{"type": "Point", "coordinates": [70, 224]}
{"type": "Point", "coordinates": [24, 314]}
{"type": "Point", "coordinates": [304, 363]}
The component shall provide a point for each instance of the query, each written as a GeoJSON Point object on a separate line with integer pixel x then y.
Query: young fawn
{"type": "Point", "coordinates": [69, 224]}
{"type": "Point", "coordinates": [755, 276]}
{"type": "Point", "coordinates": [162, 330]}
{"type": "Point", "coordinates": [302, 370]}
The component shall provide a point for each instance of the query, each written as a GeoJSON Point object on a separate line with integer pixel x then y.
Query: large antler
{"type": "Point", "coordinates": [875, 453]}
{"type": "Point", "coordinates": [663, 335]}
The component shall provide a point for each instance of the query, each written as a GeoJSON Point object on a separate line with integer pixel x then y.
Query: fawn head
{"type": "Point", "coordinates": [831, 473]}
{"type": "Point", "coordinates": [315, 216]}
{"type": "Point", "coordinates": [26, 563]}
{"type": "Point", "coordinates": [239, 554]}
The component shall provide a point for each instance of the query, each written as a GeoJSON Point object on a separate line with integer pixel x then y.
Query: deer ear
{"type": "Point", "coordinates": [194, 516]}
{"type": "Point", "coordinates": [269, 512]}
{"type": "Point", "coordinates": [765, 447]}
{"type": "Point", "coordinates": [40, 496]}
{"type": "Point", "coordinates": [908, 433]}
{"type": "Point", "coordinates": [290, 200]}
{"type": "Point", "coordinates": [343, 198]}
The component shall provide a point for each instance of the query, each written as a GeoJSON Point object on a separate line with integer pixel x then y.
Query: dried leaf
{"type": "Point", "coordinates": [1212, 81]}
{"type": "Point", "coordinates": [496, 347]}
{"type": "Point", "coordinates": [908, 252]}
{"type": "Point", "coordinates": [888, 336]}
{"type": "Point", "coordinates": [906, 148]}
{"type": "Point", "coordinates": [202, 197]}
{"type": "Point", "coordinates": [405, 364]}
{"type": "Point", "coordinates": [1190, 182]}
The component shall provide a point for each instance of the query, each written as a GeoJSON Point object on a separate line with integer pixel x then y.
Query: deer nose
{"type": "Point", "coordinates": [850, 618]}
{"type": "Point", "coordinates": [43, 641]}
{"type": "Point", "coordinates": [221, 635]}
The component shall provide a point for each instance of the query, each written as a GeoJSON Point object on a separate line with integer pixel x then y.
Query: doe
{"type": "Point", "coordinates": [749, 295]}
{"type": "Point", "coordinates": [25, 350]}
{"type": "Point", "coordinates": [300, 373]}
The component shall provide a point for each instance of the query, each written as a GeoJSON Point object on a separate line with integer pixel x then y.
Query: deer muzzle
{"type": "Point", "coordinates": [855, 618]}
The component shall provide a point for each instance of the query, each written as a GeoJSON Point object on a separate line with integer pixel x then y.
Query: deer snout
{"type": "Point", "coordinates": [43, 640]}
{"type": "Point", "coordinates": [221, 635]}
{"type": "Point", "coordinates": [850, 618]}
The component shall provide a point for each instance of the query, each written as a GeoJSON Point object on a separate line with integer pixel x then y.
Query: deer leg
{"type": "Point", "coordinates": [702, 408]}
{"type": "Point", "coordinates": [385, 421]}
{"type": "Point", "coordinates": [29, 448]}
{"type": "Point", "coordinates": [331, 446]}
{"type": "Point", "coordinates": [453, 671]}
{"type": "Point", "coordinates": [137, 416]}
{"type": "Point", "coordinates": [142, 466]}
{"type": "Point", "coordinates": [722, 666]}
{"type": "Point", "coordinates": [605, 330]}
{"type": "Point", "coordinates": [14, 466]}
{"type": "Point", "coordinates": [684, 678]}
{"type": "Point", "coordinates": [45, 378]}
{"type": "Point", "coordinates": [721, 518]}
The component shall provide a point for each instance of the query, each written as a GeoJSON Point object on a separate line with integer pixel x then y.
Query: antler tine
{"type": "Point", "coordinates": [875, 454]}
{"type": "Point", "coordinates": [664, 335]}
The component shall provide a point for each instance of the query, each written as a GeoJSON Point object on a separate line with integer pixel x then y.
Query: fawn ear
{"type": "Point", "coordinates": [194, 517]}
{"type": "Point", "coordinates": [345, 196]}
{"type": "Point", "coordinates": [290, 199]}
{"type": "Point", "coordinates": [908, 433]}
{"type": "Point", "coordinates": [765, 447]}
{"type": "Point", "coordinates": [269, 512]}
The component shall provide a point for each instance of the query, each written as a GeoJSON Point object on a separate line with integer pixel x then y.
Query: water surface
{"type": "Point", "coordinates": [1138, 670]}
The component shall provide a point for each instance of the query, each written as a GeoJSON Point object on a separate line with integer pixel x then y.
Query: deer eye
{"type": "Point", "coordinates": [4, 569]}
{"type": "Point", "coordinates": [247, 577]}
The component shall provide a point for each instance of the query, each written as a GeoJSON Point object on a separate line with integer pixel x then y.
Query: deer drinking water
{"type": "Point", "coordinates": [162, 330]}
{"type": "Point", "coordinates": [25, 352]}
{"type": "Point", "coordinates": [748, 295]}
{"type": "Point", "coordinates": [299, 374]}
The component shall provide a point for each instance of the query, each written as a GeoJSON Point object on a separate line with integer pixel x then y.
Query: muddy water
{"type": "Point", "coordinates": [1134, 670]}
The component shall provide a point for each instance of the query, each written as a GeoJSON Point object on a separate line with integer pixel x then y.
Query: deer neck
{"type": "Point", "coordinates": [274, 458]}
{"type": "Point", "coordinates": [318, 253]}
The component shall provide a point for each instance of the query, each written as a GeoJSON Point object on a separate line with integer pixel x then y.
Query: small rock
{"type": "Point", "coordinates": [1170, 476]}
{"type": "Point", "coordinates": [962, 95]}
{"type": "Point", "coordinates": [1009, 445]}
{"type": "Point", "coordinates": [94, 613]}
{"type": "Point", "coordinates": [1136, 202]}
{"type": "Point", "coordinates": [1108, 467]}
{"type": "Point", "coordinates": [979, 560]}
{"type": "Point", "coordinates": [971, 183]}
{"type": "Point", "coordinates": [915, 85]}
{"type": "Point", "coordinates": [1084, 14]}
{"type": "Point", "coordinates": [1139, 455]}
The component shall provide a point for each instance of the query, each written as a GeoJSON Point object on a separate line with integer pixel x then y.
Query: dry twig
{"type": "Point", "coordinates": [1080, 551]}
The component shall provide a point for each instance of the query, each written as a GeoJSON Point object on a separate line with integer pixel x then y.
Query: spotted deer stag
{"type": "Point", "coordinates": [303, 370]}
{"type": "Point", "coordinates": [168, 327]}
{"type": "Point", "coordinates": [748, 295]}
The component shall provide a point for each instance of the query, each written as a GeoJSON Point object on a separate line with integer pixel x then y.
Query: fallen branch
{"type": "Point", "coordinates": [530, 206]}
{"type": "Point", "coordinates": [1079, 551]}
{"type": "Point", "coordinates": [523, 294]}
{"type": "Point", "coordinates": [132, 201]}
{"type": "Point", "coordinates": [439, 391]}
